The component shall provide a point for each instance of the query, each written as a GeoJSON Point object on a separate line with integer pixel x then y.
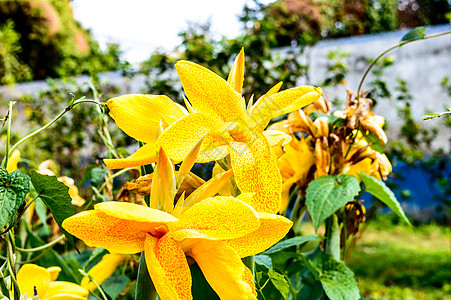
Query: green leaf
{"type": "Point", "coordinates": [97, 175]}
{"type": "Point", "coordinates": [95, 257]}
{"type": "Point", "coordinates": [263, 260]}
{"type": "Point", "coordinates": [375, 142]}
{"type": "Point", "coordinates": [13, 190]}
{"type": "Point", "coordinates": [290, 243]}
{"type": "Point", "coordinates": [337, 280]}
{"type": "Point", "coordinates": [114, 285]}
{"type": "Point", "coordinates": [56, 197]}
{"type": "Point", "coordinates": [280, 283]}
{"type": "Point", "coordinates": [379, 190]}
{"type": "Point", "coordinates": [414, 34]}
{"type": "Point", "coordinates": [326, 194]}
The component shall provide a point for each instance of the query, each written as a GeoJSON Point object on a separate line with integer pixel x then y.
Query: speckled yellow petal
{"type": "Point", "coordinates": [209, 93]}
{"type": "Point", "coordinates": [97, 229]}
{"type": "Point", "coordinates": [179, 138]}
{"type": "Point", "coordinates": [282, 103]}
{"type": "Point", "coordinates": [254, 164]}
{"type": "Point", "coordinates": [139, 115]}
{"type": "Point", "coordinates": [103, 269]}
{"type": "Point", "coordinates": [63, 290]}
{"type": "Point", "coordinates": [216, 218]}
{"type": "Point", "coordinates": [223, 269]}
{"type": "Point", "coordinates": [168, 268]}
{"type": "Point", "coordinates": [144, 156]}
{"type": "Point", "coordinates": [273, 228]}
{"type": "Point", "coordinates": [13, 160]}
{"type": "Point", "coordinates": [236, 75]}
{"type": "Point", "coordinates": [271, 92]}
{"type": "Point", "coordinates": [134, 212]}
{"type": "Point", "coordinates": [54, 272]}
{"type": "Point", "coordinates": [277, 140]}
{"type": "Point", "coordinates": [30, 276]}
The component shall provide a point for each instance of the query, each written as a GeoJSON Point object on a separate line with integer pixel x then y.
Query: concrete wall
{"type": "Point", "coordinates": [421, 64]}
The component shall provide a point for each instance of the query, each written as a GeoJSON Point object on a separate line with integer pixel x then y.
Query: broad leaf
{"type": "Point", "coordinates": [56, 197]}
{"type": "Point", "coordinates": [291, 242]}
{"type": "Point", "coordinates": [13, 190]}
{"type": "Point", "coordinates": [94, 258]}
{"type": "Point", "coordinates": [326, 194]}
{"type": "Point", "coordinates": [337, 280]}
{"type": "Point", "coordinates": [414, 34]}
{"type": "Point", "coordinates": [263, 260]}
{"type": "Point", "coordinates": [280, 283]}
{"type": "Point", "coordinates": [97, 175]}
{"type": "Point", "coordinates": [379, 190]}
{"type": "Point", "coordinates": [114, 285]}
{"type": "Point", "coordinates": [145, 289]}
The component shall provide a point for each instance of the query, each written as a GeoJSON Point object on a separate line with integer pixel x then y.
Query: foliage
{"type": "Point", "coordinates": [41, 39]}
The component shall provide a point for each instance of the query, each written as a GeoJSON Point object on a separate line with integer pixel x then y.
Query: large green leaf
{"type": "Point", "coordinates": [337, 280]}
{"type": "Point", "coordinates": [56, 197]}
{"type": "Point", "coordinates": [280, 283]}
{"type": "Point", "coordinates": [379, 190]}
{"type": "Point", "coordinates": [13, 190]}
{"type": "Point", "coordinates": [114, 285]}
{"type": "Point", "coordinates": [326, 194]}
{"type": "Point", "coordinates": [290, 243]}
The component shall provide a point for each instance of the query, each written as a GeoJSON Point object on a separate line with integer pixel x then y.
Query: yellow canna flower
{"type": "Point", "coordinates": [32, 276]}
{"type": "Point", "coordinates": [104, 269]}
{"type": "Point", "coordinates": [215, 232]}
{"type": "Point", "coordinates": [13, 161]}
{"type": "Point", "coordinates": [217, 114]}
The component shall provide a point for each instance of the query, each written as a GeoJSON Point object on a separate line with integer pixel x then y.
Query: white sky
{"type": "Point", "coordinates": [141, 26]}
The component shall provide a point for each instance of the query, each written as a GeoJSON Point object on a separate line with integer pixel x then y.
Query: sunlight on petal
{"type": "Point", "coordinates": [144, 156]}
{"type": "Point", "coordinates": [30, 276]}
{"type": "Point", "coordinates": [65, 290]}
{"type": "Point", "coordinates": [168, 268]}
{"type": "Point", "coordinates": [209, 93]}
{"type": "Point", "coordinates": [223, 269]}
{"type": "Point", "coordinates": [139, 115]}
{"type": "Point", "coordinates": [236, 74]}
{"type": "Point", "coordinates": [273, 228]}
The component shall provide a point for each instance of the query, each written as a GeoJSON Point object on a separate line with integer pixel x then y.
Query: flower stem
{"type": "Point", "coordinates": [43, 247]}
{"type": "Point", "coordinates": [11, 263]}
{"type": "Point", "coordinates": [67, 109]}
{"type": "Point", "coordinates": [8, 132]}
{"type": "Point", "coordinates": [95, 283]}
{"type": "Point", "coordinates": [332, 243]}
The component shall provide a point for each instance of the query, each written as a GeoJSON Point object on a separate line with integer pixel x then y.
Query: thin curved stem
{"type": "Point", "coordinates": [8, 132]}
{"type": "Point", "coordinates": [388, 50]}
{"type": "Point", "coordinates": [95, 283]}
{"type": "Point", "coordinates": [67, 109]}
{"type": "Point", "coordinates": [43, 247]}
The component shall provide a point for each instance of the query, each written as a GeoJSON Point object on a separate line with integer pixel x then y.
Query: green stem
{"type": "Point", "coordinates": [388, 50]}
{"type": "Point", "coordinates": [95, 283]}
{"type": "Point", "coordinates": [67, 109]}
{"type": "Point", "coordinates": [43, 247]}
{"type": "Point", "coordinates": [8, 132]}
{"type": "Point", "coordinates": [332, 243]}
{"type": "Point", "coordinates": [10, 262]}
{"type": "Point", "coordinates": [114, 176]}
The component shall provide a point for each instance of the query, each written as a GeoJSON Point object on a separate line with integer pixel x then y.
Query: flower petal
{"type": "Point", "coordinates": [216, 218]}
{"type": "Point", "coordinates": [282, 103]}
{"type": "Point", "coordinates": [179, 138]}
{"type": "Point", "coordinates": [168, 268]}
{"type": "Point", "coordinates": [54, 272]}
{"type": "Point", "coordinates": [277, 140]}
{"type": "Point", "coordinates": [254, 164]}
{"type": "Point", "coordinates": [236, 75]}
{"type": "Point", "coordinates": [104, 269]}
{"type": "Point", "coordinates": [97, 229]}
{"type": "Point", "coordinates": [30, 276]}
{"type": "Point", "coordinates": [13, 161]}
{"type": "Point", "coordinates": [223, 269]}
{"type": "Point", "coordinates": [66, 290]}
{"type": "Point", "coordinates": [144, 156]}
{"type": "Point", "coordinates": [209, 93]}
{"type": "Point", "coordinates": [273, 228]}
{"type": "Point", "coordinates": [139, 115]}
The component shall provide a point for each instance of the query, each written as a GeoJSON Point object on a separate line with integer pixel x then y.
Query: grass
{"type": "Point", "coordinates": [397, 262]}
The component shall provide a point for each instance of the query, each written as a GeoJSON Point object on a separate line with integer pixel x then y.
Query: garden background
{"type": "Point", "coordinates": [45, 54]}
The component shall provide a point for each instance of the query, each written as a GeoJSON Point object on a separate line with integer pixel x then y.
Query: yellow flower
{"type": "Point", "coordinates": [32, 276]}
{"type": "Point", "coordinates": [215, 232]}
{"type": "Point", "coordinates": [13, 161]}
{"type": "Point", "coordinates": [217, 113]}
{"type": "Point", "coordinates": [104, 269]}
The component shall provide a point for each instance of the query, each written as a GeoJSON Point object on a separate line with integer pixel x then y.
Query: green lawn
{"type": "Point", "coordinates": [402, 263]}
